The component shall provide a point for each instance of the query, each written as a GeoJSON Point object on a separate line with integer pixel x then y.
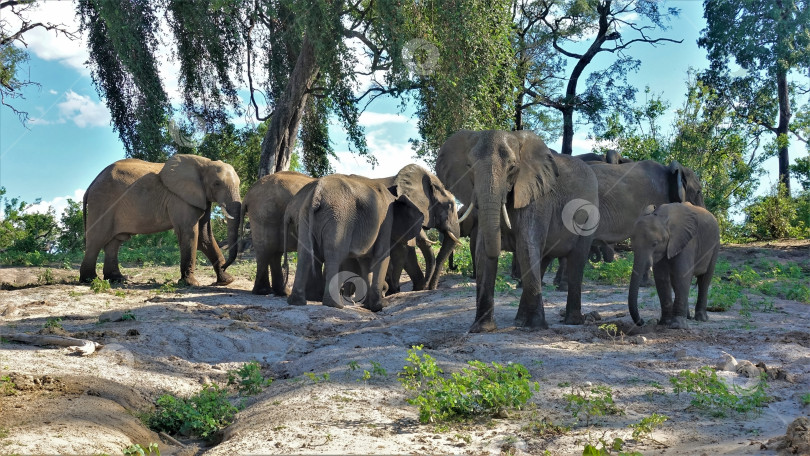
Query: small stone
{"type": "Point", "coordinates": [638, 340]}
{"type": "Point", "coordinates": [133, 333]}
{"type": "Point", "coordinates": [747, 369]}
{"type": "Point", "coordinates": [726, 363]}
{"type": "Point", "coordinates": [680, 354]}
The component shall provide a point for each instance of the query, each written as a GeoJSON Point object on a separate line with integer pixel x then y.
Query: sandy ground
{"type": "Point", "coordinates": [182, 339]}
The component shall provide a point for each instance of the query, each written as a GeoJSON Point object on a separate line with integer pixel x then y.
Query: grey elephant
{"type": "Point", "coordinates": [137, 197]}
{"type": "Point", "coordinates": [625, 190]}
{"type": "Point", "coordinates": [524, 192]}
{"type": "Point", "coordinates": [611, 156]}
{"type": "Point", "coordinates": [681, 241]}
{"type": "Point", "coordinates": [265, 204]}
{"type": "Point", "coordinates": [349, 218]}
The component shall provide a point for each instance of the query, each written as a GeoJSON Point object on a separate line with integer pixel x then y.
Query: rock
{"type": "Point", "coordinates": [133, 333]}
{"type": "Point", "coordinates": [747, 369]}
{"type": "Point", "coordinates": [591, 317]}
{"type": "Point", "coordinates": [726, 363]}
{"type": "Point", "coordinates": [797, 437]}
{"type": "Point", "coordinates": [638, 340]}
{"type": "Point", "coordinates": [680, 355]}
{"type": "Point", "coordinates": [776, 373]}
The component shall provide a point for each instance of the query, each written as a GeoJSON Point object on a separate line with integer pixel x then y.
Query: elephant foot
{"type": "Point", "coordinates": [639, 322]}
{"type": "Point", "coordinates": [562, 286]}
{"type": "Point", "coordinates": [373, 307]}
{"type": "Point", "coordinates": [678, 323]}
{"type": "Point", "coordinates": [481, 326]}
{"type": "Point", "coordinates": [87, 278]}
{"type": "Point", "coordinates": [188, 281]}
{"type": "Point", "coordinates": [114, 278]}
{"type": "Point", "coordinates": [574, 319]}
{"type": "Point", "coordinates": [281, 291]}
{"type": "Point", "coordinates": [532, 322]}
{"type": "Point", "coordinates": [224, 279]}
{"type": "Point", "coordinates": [295, 300]}
{"type": "Point", "coordinates": [332, 303]}
{"type": "Point", "coordinates": [701, 316]}
{"type": "Point", "coordinates": [260, 290]}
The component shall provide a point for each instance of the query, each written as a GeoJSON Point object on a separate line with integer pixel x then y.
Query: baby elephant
{"type": "Point", "coordinates": [681, 241]}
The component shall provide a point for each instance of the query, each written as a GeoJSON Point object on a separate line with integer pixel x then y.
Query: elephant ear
{"type": "Point", "coordinates": [408, 220]}
{"type": "Point", "coordinates": [681, 230]}
{"type": "Point", "coordinates": [182, 175]}
{"type": "Point", "coordinates": [537, 170]}
{"type": "Point", "coordinates": [413, 181]}
{"type": "Point", "coordinates": [612, 156]}
{"type": "Point", "coordinates": [677, 185]}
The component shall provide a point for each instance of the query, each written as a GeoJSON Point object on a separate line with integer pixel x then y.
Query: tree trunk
{"type": "Point", "coordinates": [279, 141]}
{"type": "Point", "coordinates": [782, 129]}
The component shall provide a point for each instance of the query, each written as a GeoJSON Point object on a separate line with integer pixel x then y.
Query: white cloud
{"type": "Point", "coordinates": [83, 111]}
{"type": "Point", "coordinates": [52, 92]}
{"type": "Point", "coordinates": [391, 158]}
{"type": "Point", "coordinates": [372, 119]}
{"type": "Point", "coordinates": [48, 45]}
{"type": "Point", "coordinates": [58, 204]}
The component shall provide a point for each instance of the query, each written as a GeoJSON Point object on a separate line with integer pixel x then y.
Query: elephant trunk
{"type": "Point", "coordinates": [640, 265]}
{"type": "Point", "coordinates": [490, 225]}
{"type": "Point", "coordinates": [234, 209]}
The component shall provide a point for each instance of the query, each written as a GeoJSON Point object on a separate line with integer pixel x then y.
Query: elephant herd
{"type": "Point", "coordinates": [354, 235]}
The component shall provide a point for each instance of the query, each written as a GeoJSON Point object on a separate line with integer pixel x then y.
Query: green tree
{"type": "Point", "coordinates": [770, 41]}
{"type": "Point", "coordinates": [549, 33]}
{"type": "Point", "coordinates": [24, 232]}
{"type": "Point", "coordinates": [13, 55]}
{"type": "Point", "coordinates": [71, 236]}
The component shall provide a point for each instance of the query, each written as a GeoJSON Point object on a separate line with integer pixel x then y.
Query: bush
{"type": "Point", "coordinates": [712, 394]}
{"type": "Point", "coordinates": [778, 216]}
{"type": "Point", "coordinates": [200, 415]}
{"type": "Point", "coordinates": [480, 389]}
{"type": "Point", "coordinates": [617, 272]}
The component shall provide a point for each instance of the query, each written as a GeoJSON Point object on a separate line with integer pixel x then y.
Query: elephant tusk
{"type": "Point", "coordinates": [225, 211]}
{"type": "Point", "coordinates": [452, 236]}
{"type": "Point", "coordinates": [506, 217]}
{"type": "Point", "coordinates": [469, 210]}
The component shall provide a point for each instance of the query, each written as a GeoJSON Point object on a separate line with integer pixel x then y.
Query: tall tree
{"type": "Point", "coordinates": [559, 39]}
{"type": "Point", "coordinates": [14, 24]}
{"type": "Point", "coordinates": [770, 39]}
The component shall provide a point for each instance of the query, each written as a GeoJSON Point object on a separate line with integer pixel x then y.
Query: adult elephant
{"type": "Point", "coordinates": [522, 191]}
{"type": "Point", "coordinates": [137, 197]}
{"type": "Point", "coordinates": [611, 156]}
{"type": "Point", "coordinates": [265, 204]}
{"type": "Point", "coordinates": [347, 218]}
{"type": "Point", "coordinates": [625, 190]}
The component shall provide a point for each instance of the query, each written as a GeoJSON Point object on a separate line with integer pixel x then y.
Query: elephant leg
{"type": "Point", "coordinates": [430, 260]}
{"type": "Point", "coordinates": [561, 279]}
{"type": "Point", "coordinates": [531, 312]}
{"type": "Point", "coordinates": [413, 269]}
{"type": "Point", "coordinates": [664, 288]}
{"type": "Point", "coordinates": [378, 267]}
{"type": "Point", "coordinates": [485, 271]}
{"type": "Point", "coordinates": [575, 266]}
{"type": "Point", "coordinates": [516, 270]}
{"type": "Point", "coordinates": [298, 294]}
{"type": "Point", "coordinates": [544, 266]}
{"type": "Point", "coordinates": [208, 246]}
{"type": "Point", "coordinates": [261, 285]}
{"type": "Point", "coordinates": [608, 252]}
{"type": "Point", "coordinates": [87, 272]}
{"type": "Point", "coordinates": [645, 279]}
{"type": "Point", "coordinates": [332, 295]}
{"type": "Point", "coordinates": [703, 283]}
{"type": "Point", "coordinates": [451, 265]}
{"type": "Point", "coordinates": [315, 279]}
{"type": "Point", "coordinates": [187, 239]}
{"type": "Point", "coordinates": [279, 287]}
{"type": "Point", "coordinates": [111, 270]}
{"type": "Point", "coordinates": [399, 253]}
{"type": "Point", "coordinates": [681, 278]}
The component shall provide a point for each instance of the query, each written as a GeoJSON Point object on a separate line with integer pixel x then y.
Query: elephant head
{"type": "Point", "coordinates": [408, 219]}
{"type": "Point", "coordinates": [657, 234]}
{"type": "Point", "coordinates": [488, 168]}
{"type": "Point", "coordinates": [200, 181]}
{"type": "Point", "coordinates": [426, 191]}
{"type": "Point", "coordinates": [684, 185]}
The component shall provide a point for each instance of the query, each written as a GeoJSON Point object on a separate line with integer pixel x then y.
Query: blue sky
{"type": "Point", "coordinates": [70, 139]}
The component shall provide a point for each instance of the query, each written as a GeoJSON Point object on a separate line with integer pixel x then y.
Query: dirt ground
{"type": "Point", "coordinates": [184, 338]}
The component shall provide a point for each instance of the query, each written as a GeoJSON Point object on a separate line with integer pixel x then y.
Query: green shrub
{"type": "Point", "coordinates": [645, 427]}
{"type": "Point", "coordinates": [99, 285]}
{"type": "Point", "coordinates": [617, 272]}
{"type": "Point", "coordinates": [723, 295]}
{"type": "Point", "coordinates": [598, 401]}
{"type": "Point", "coordinates": [248, 379]}
{"type": "Point", "coordinates": [713, 394]}
{"type": "Point", "coordinates": [200, 415]}
{"type": "Point", "coordinates": [777, 216]}
{"type": "Point", "coordinates": [463, 258]}
{"type": "Point", "coordinates": [480, 389]}
{"type": "Point", "coordinates": [138, 450]}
